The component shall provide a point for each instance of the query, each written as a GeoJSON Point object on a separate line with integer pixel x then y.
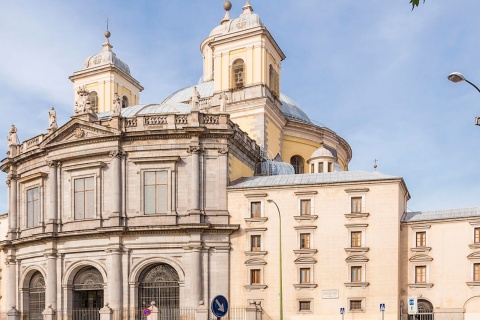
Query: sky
{"type": "Point", "coordinates": [375, 72]}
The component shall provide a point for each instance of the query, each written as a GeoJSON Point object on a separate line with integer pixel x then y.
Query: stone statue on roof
{"type": "Point", "coordinates": [195, 99]}
{"type": "Point", "coordinates": [12, 137]}
{"type": "Point", "coordinates": [82, 105]}
{"type": "Point", "coordinates": [52, 119]}
{"type": "Point", "coordinates": [117, 105]}
{"type": "Point", "coordinates": [223, 102]}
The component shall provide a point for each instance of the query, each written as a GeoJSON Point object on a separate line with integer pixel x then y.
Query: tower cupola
{"type": "Point", "coordinates": [104, 75]}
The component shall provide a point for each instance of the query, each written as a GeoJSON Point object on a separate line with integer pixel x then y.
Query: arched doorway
{"type": "Point", "coordinates": [87, 294]}
{"type": "Point", "coordinates": [159, 283]}
{"type": "Point", "coordinates": [36, 297]}
{"type": "Point", "coordinates": [425, 311]}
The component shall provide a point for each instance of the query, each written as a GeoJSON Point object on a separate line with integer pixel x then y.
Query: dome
{"type": "Point", "coordinates": [322, 152]}
{"type": "Point", "coordinates": [106, 57]}
{"type": "Point", "coordinates": [289, 107]}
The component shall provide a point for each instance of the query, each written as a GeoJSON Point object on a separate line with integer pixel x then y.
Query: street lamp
{"type": "Point", "coordinates": [458, 77]}
{"type": "Point", "coordinates": [280, 246]}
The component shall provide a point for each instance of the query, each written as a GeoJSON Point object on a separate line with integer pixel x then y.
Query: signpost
{"type": "Point", "coordinates": [219, 306]}
{"type": "Point", "coordinates": [146, 312]}
{"type": "Point", "coordinates": [382, 309]}
{"type": "Point", "coordinates": [342, 312]}
{"type": "Point", "coordinates": [412, 305]}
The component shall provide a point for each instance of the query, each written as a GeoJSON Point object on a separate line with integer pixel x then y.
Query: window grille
{"type": "Point", "coordinates": [159, 283]}
{"type": "Point", "coordinates": [356, 239]}
{"type": "Point", "coordinates": [93, 99]}
{"type": "Point", "coordinates": [355, 305]}
{"type": "Point", "coordinates": [36, 297]}
{"type": "Point", "coordinates": [237, 75]}
{"type": "Point", "coordinates": [305, 241]}
{"type": "Point", "coordinates": [274, 82]}
{"type": "Point", "coordinates": [304, 306]}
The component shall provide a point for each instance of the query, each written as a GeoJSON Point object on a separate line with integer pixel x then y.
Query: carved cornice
{"type": "Point", "coordinates": [223, 151]}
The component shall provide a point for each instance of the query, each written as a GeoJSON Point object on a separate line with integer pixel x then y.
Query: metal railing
{"type": "Point", "coordinates": [85, 314]}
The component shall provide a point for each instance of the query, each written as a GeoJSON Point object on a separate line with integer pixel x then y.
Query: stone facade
{"type": "Point", "coordinates": [224, 188]}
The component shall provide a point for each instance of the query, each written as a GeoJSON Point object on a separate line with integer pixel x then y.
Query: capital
{"type": "Point", "coordinates": [117, 153]}
{"type": "Point", "coordinates": [195, 149]}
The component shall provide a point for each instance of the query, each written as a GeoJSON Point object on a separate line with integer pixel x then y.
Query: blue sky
{"type": "Point", "coordinates": [372, 71]}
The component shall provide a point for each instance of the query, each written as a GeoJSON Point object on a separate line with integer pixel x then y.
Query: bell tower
{"type": "Point", "coordinates": [244, 61]}
{"type": "Point", "coordinates": [104, 75]}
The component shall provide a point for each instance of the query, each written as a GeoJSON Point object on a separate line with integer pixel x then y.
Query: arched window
{"type": "Point", "coordinates": [93, 98]}
{"type": "Point", "coordinates": [237, 74]}
{"type": "Point", "coordinates": [36, 297]}
{"type": "Point", "coordinates": [159, 283]}
{"type": "Point", "coordinates": [298, 164]}
{"type": "Point", "coordinates": [124, 102]}
{"type": "Point", "coordinates": [274, 81]}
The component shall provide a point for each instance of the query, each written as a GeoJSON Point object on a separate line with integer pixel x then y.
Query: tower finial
{"type": "Point", "coordinates": [247, 8]}
{"type": "Point", "coordinates": [375, 165]}
{"type": "Point", "coordinates": [227, 5]}
{"type": "Point", "coordinates": [107, 46]}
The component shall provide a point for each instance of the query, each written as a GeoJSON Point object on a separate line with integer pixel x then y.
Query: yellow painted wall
{"type": "Point", "coordinates": [237, 169]}
{"type": "Point", "coordinates": [274, 142]}
{"type": "Point", "coordinates": [298, 147]}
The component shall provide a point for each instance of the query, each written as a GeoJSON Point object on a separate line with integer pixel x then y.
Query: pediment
{"type": "Point", "coordinates": [357, 258]}
{"type": "Point", "coordinates": [255, 262]}
{"type": "Point", "coordinates": [77, 130]}
{"type": "Point", "coordinates": [305, 260]}
{"type": "Point", "coordinates": [420, 257]}
{"type": "Point", "coordinates": [475, 255]}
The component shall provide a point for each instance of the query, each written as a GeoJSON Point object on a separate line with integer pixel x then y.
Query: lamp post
{"type": "Point", "coordinates": [280, 247]}
{"type": "Point", "coordinates": [458, 77]}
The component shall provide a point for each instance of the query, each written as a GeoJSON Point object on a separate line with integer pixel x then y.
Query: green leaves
{"type": "Point", "coordinates": [415, 3]}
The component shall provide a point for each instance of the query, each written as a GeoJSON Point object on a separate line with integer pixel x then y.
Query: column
{"type": "Point", "coordinates": [11, 287]}
{"type": "Point", "coordinates": [195, 179]}
{"type": "Point", "coordinates": [196, 274]}
{"type": "Point", "coordinates": [52, 211]}
{"type": "Point", "coordinates": [12, 210]}
{"type": "Point", "coordinates": [51, 281]}
{"type": "Point", "coordinates": [115, 281]}
{"type": "Point", "coordinates": [116, 182]}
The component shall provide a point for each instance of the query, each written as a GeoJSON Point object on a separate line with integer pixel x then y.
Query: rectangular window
{"type": "Point", "coordinates": [421, 239]}
{"type": "Point", "coordinates": [421, 274]}
{"type": "Point", "coordinates": [355, 305]}
{"type": "Point", "coordinates": [33, 207]}
{"type": "Point", "coordinates": [356, 274]}
{"type": "Point", "coordinates": [320, 167]}
{"type": "Point", "coordinates": [356, 204]}
{"type": "Point", "coordinates": [304, 240]}
{"type": "Point", "coordinates": [155, 191]}
{"type": "Point", "coordinates": [255, 276]}
{"type": "Point", "coordinates": [255, 243]}
{"type": "Point", "coordinates": [255, 209]}
{"type": "Point", "coordinates": [330, 167]}
{"type": "Point", "coordinates": [356, 239]}
{"type": "Point", "coordinates": [304, 275]}
{"type": "Point", "coordinates": [476, 272]}
{"type": "Point", "coordinates": [305, 207]}
{"type": "Point", "coordinates": [477, 235]}
{"type": "Point", "coordinates": [84, 198]}
{"type": "Point", "coordinates": [304, 306]}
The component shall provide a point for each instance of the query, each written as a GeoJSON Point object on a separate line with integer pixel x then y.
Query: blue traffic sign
{"type": "Point", "coordinates": [219, 306]}
{"type": "Point", "coordinates": [342, 310]}
{"type": "Point", "coordinates": [382, 306]}
{"type": "Point", "coordinates": [411, 302]}
{"type": "Point", "coordinates": [147, 312]}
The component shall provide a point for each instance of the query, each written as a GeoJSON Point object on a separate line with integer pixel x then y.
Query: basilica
{"type": "Point", "coordinates": [225, 187]}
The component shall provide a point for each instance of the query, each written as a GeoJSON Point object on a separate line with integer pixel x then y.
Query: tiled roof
{"type": "Point", "coordinates": [441, 214]}
{"type": "Point", "coordinates": [310, 178]}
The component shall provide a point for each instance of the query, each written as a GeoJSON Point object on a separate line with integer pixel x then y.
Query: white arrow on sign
{"type": "Point", "coordinates": [221, 307]}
